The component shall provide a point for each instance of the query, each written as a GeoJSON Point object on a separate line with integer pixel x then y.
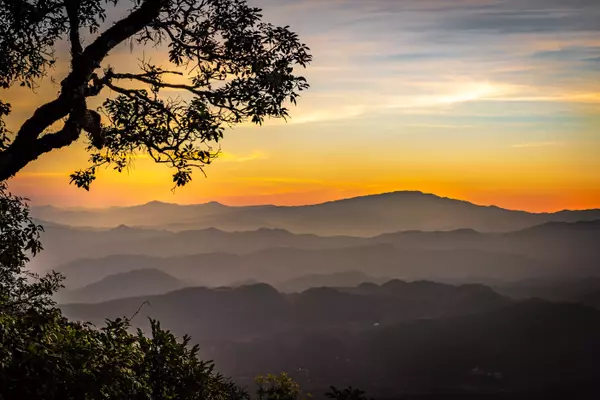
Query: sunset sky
{"type": "Point", "coordinates": [492, 101]}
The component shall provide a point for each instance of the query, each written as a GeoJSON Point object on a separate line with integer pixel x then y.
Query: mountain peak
{"type": "Point", "coordinates": [214, 204]}
{"type": "Point", "coordinates": [122, 228]}
{"type": "Point", "coordinates": [156, 203]}
{"type": "Point", "coordinates": [394, 194]}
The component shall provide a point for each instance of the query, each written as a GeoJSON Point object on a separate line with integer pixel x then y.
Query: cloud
{"type": "Point", "coordinates": [331, 114]}
{"type": "Point", "coordinates": [574, 98]}
{"type": "Point", "coordinates": [536, 145]}
{"type": "Point", "coordinates": [519, 71]}
{"type": "Point", "coordinates": [524, 21]}
{"type": "Point", "coordinates": [236, 158]}
{"type": "Point", "coordinates": [440, 126]}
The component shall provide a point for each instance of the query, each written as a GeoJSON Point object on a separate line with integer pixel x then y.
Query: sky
{"type": "Point", "coordinates": [491, 101]}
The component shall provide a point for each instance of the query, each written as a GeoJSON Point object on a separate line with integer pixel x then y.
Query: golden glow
{"type": "Point", "coordinates": [511, 120]}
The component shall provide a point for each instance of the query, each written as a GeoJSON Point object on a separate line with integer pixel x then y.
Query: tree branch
{"type": "Point", "coordinates": [151, 80]}
{"type": "Point", "coordinates": [72, 7]}
{"type": "Point", "coordinates": [27, 147]}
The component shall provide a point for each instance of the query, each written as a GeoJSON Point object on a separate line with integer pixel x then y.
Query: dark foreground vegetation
{"type": "Point", "coordinates": [397, 339]}
{"type": "Point", "coordinates": [391, 340]}
{"type": "Point", "coordinates": [390, 337]}
{"type": "Point", "coordinates": [43, 355]}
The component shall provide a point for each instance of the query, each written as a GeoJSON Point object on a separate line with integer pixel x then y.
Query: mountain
{"type": "Point", "coordinates": [565, 248]}
{"type": "Point", "coordinates": [217, 314]}
{"type": "Point", "coordinates": [572, 245]}
{"type": "Point", "coordinates": [553, 289]}
{"type": "Point", "coordinates": [277, 265]}
{"type": "Point", "coordinates": [336, 279]}
{"type": "Point", "coordinates": [210, 256]}
{"type": "Point", "coordinates": [360, 216]}
{"type": "Point", "coordinates": [396, 339]}
{"type": "Point", "coordinates": [131, 216]}
{"type": "Point", "coordinates": [141, 282]}
{"type": "Point", "coordinates": [527, 350]}
{"type": "Point", "coordinates": [65, 244]}
{"type": "Point", "coordinates": [214, 269]}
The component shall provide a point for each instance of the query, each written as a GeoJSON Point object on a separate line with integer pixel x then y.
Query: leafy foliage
{"type": "Point", "coordinates": [21, 290]}
{"type": "Point", "coordinates": [277, 387]}
{"type": "Point", "coordinates": [346, 394]}
{"type": "Point", "coordinates": [226, 64]}
{"type": "Point", "coordinates": [45, 356]}
{"type": "Point", "coordinates": [230, 67]}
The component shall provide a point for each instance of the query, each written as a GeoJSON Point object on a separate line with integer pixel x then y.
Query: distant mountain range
{"type": "Point", "coordinates": [278, 265]}
{"type": "Point", "coordinates": [336, 279]}
{"type": "Point", "coordinates": [213, 257]}
{"type": "Point", "coordinates": [140, 282]}
{"type": "Point", "coordinates": [399, 293]}
{"type": "Point", "coordinates": [216, 314]}
{"type": "Point", "coordinates": [429, 337]}
{"type": "Point", "coordinates": [102, 264]}
{"type": "Point", "coordinates": [361, 216]}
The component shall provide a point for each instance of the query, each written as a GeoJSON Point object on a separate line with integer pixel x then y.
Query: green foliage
{"type": "Point", "coordinates": [233, 68]}
{"type": "Point", "coordinates": [346, 394]}
{"type": "Point", "coordinates": [227, 65]}
{"type": "Point", "coordinates": [45, 356]}
{"type": "Point", "coordinates": [277, 387]}
{"type": "Point", "coordinates": [21, 290]}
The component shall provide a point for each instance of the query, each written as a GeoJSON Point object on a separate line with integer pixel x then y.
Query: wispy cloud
{"type": "Point", "coordinates": [425, 86]}
{"type": "Point", "coordinates": [240, 158]}
{"type": "Point", "coordinates": [536, 145]}
{"type": "Point", "coordinates": [440, 126]}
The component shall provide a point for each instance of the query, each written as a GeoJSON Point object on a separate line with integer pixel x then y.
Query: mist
{"type": "Point", "coordinates": [371, 292]}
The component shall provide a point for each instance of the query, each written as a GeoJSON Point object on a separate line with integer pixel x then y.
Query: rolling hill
{"type": "Point", "coordinates": [64, 244]}
{"type": "Point", "coordinates": [556, 244]}
{"type": "Point", "coordinates": [213, 257]}
{"type": "Point", "coordinates": [464, 340]}
{"type": "Point", "coordinates": [215, 314]}
{"type": "Point", "coordinates": [139, 282]}
{"type": "Point", "coordinates": [277, 265]}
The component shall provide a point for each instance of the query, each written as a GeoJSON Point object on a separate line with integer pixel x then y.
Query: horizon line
{"type": "Point", "coordinates": [314, 204]}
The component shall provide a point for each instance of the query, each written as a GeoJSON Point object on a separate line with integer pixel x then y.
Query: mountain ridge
{"type": "Point", "coordinates": [345, 199]}
{"type": "Point", "coordinates": [362, 216]}
{"type": "Point", "coordinates": [133, 283]}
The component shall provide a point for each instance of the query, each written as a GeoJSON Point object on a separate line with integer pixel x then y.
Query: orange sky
{"type": "Point", "coordinates": [402, 98]}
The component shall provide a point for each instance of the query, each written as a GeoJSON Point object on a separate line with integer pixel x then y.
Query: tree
{"type": "Point", "coordinates": [45, 356]}
{"type": "Point", "coordinates": [231, 66]}
{"type": "Point", "coordinates": [20, 290]}
{"type": "Point", "coordinates": [277, 387]}
{"type": "Point", "coordinates": [346, 394]}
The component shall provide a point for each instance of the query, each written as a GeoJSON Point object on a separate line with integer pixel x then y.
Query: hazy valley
{"type": "Point", "coordinates": [400, 294]}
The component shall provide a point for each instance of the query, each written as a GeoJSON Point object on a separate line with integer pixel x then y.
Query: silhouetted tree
{"type": "Point", "coordinates": [45, 356]}
{"type": "Point", "coordinates": [277, 387]}
{"type": "Point", "coordinates": [232, 67]}
{"type": "Point", "coordinates": [346, 394]}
